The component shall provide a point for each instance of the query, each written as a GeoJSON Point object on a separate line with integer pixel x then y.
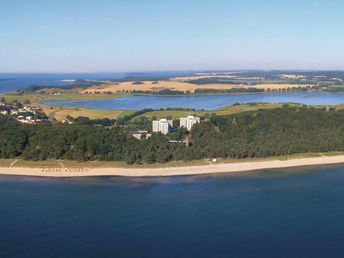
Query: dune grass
{"type": "Point", "coordinates": [6, 162]}
{"type": "Point", "coordinates": [122, 164]}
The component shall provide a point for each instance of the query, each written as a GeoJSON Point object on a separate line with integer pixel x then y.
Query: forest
{"type": "Point", "coordinates": [262, 133]}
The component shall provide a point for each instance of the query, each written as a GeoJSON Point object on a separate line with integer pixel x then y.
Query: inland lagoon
{"type": "Point", "coordinates": [208, 102]}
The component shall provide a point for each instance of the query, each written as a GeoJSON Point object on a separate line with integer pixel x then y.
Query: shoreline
{"type": "Point", "coordinates": [172, 171]}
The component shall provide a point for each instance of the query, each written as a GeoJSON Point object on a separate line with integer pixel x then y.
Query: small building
{"type": "Point", "coordinates": [141, 133]}
{"type": "Point", "coordinates": [20, 118]}
{"type": "Point", "coordinates": [25, 120]}
{"type": "Point", "coordinates": [163, 126]}
{"type": "Point", "coordinates": [186, 141]}
{"type": "Point", "coordinates": [4, 112]}
{"type": "Point", "coordinates": [2, 104]}
{"type": "Point", "coordinates": [64, 121]}
{"type": "Point", "coordinates": [14, 112]}
{"type": "Point", "coordinates": [189, 122]}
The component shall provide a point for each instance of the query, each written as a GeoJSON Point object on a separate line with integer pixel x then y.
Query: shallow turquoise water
{"type": "Point", "coordinates": [297, 213]}
{"type": "Point", "coordinates": [205, 102]}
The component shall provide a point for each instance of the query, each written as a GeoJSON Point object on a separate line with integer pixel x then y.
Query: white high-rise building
{"type": "Point", "coordinates": [155, 126]}
{"type": "Point", "coordinates": [163, 126]}
{"type": "Point", "coordinates": [189, 121]}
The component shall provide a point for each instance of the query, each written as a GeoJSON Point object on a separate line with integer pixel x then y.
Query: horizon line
{"type": "Point", "coordinates": [176, 71]}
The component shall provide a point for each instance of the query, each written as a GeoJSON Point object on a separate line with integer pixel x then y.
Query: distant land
{"type": "Point", "coordinates": [205, 82]}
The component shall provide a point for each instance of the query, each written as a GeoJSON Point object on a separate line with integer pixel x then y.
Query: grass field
{"type": "Point", "coordinates": [37, 98]}
{"type": "Point", "coordinates": [176, 114]}
{"type": "Point", "coordinates": [246, 107]}
{"type": "Point", "coordinates": [60, 113]}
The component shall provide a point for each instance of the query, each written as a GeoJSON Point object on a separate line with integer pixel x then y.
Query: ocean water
{"type": "Point", "coordinates": [289, 213]}
{"type": "Point", "coordinates": [205, 102]}
{"type": "Point", "coordinates": [11, 82]}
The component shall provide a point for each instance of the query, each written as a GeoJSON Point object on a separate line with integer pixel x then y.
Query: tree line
{"type": "Point", "coordinates": [261, 133]}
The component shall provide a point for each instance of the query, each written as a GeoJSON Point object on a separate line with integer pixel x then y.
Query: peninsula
{"type": "Point", "coordinates": [249, 137]}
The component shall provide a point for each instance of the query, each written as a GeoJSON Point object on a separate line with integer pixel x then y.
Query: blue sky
{"type": "Point", "coordinates": [152, 35]}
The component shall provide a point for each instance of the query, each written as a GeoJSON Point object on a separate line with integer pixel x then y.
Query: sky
{"type": "Point", "coordinates": [165, 35]}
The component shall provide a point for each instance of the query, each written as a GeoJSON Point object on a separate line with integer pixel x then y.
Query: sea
{"type": "Point", "coordinates": [271, 213]}
{"type": "Point", "coordinates": [11, 82]}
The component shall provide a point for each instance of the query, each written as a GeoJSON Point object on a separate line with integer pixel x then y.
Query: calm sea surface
{"type": "Point", "coordinates": [205, 102]}
{"type": "Point", "coordinates": [296, 213]}
{"type": "Point", "coordinates": [10, 82]}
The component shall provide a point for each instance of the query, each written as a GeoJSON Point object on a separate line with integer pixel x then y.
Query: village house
{"type": "Point", "coordinates": [25, 120]}
{"type": "Point", "coordinates": [14, 112]}
{"type": "Point", "coordinates": [141, 133]}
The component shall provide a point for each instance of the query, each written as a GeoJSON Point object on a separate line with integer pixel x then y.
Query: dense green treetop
{"type": "Point", "coordinates": [261, 133]}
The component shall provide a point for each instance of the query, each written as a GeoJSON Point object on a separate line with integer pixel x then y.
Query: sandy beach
{"type": "Point", "coordinates": [171, 171]}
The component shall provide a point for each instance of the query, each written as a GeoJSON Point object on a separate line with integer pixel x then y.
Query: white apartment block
{"type": "Point", "coordinates": [163, 126]}
{"type": "Point", "coordinates": [189, 121]}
